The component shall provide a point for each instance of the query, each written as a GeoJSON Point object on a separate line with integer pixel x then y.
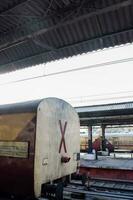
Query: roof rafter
{"type": "Point", "coordinates": [36, 33]}
{"type": "Point", "coordinates": [55, 52]}
{"type": "Point", "coordinates": [14, 6]}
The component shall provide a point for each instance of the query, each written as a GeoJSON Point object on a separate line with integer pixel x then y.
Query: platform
{"type": "Point", "coordinates": [108, 162]}
{"type": "Point", "coordinates": [108, 168]}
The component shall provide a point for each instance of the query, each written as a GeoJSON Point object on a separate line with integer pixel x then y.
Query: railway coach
{"type": "Point", "coordinates": [39, 144]}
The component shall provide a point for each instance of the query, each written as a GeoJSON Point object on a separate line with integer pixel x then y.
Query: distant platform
{"type": "Point", "coordinates": [109, 163]}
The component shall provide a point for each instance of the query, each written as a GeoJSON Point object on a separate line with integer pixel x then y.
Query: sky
{"type": "Point", "coordinates": [104, 76]}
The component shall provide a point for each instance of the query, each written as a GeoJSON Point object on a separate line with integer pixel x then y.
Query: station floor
{"type": "Point", "coordinates": [107, 162]}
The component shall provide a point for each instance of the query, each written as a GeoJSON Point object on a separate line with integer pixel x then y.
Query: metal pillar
{"type": "Point", "coordinates": [103, 137]}
{"type": "Point", "coordinates": [89, 139]}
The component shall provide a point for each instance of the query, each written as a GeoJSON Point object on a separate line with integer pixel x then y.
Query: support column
{"type": "Point", "coordinates": [90, 139]}
{"type": "Point", "coordinates": [103, 137]}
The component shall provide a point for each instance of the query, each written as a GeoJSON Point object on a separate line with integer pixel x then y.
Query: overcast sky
{"type": "Point", "coordinates": [99, 77]}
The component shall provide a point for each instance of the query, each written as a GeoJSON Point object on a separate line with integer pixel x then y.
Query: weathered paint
{"type": "Point", "coordinates": [50, 133]}
{"type": "Point", "coordinates": [16, 174]}
{"type": "Point", "coordinates": [57, 135]}
{"type": "Point", "coordinates": [14, 149]}
{"type": "Point", "coordinates": [62, 142]}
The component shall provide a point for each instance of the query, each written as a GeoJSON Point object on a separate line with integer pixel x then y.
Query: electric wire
{"type": "Point", "coordinates": [107, 64]}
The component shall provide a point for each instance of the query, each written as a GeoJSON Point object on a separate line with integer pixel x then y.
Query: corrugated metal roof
{"type": "Point", "coordinates": [108, 114]}
{"type": "Point", "coordinates": [105, 107]}
{"type": "Point", "coordinates": [37, 31]}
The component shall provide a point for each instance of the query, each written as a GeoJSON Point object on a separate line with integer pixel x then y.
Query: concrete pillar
{"type": "Point", "coordinates": [90, 139]}
{"type": "Point", "coordinates": [103, 137]}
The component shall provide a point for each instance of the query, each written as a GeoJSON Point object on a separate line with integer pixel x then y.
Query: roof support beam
{"type": "Point", "coordinates": [38, 31]}
{"type": "Point", "coordinates": [17, 64]}
{"type": "Point", "coordinates": [121, 117]}
{"type": "Point", "coordinates": [12, 7]}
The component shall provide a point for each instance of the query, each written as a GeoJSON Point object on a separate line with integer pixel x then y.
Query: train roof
{"type": "Point", "coordinates": [28, 106]}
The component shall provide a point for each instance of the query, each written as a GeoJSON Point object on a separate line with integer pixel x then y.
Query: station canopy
{"type": "Point", "coordinates": [106, 114]}
{"type": "Point", "coordinates": [39, 31]}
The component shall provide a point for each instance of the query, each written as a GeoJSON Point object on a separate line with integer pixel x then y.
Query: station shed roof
{"type": "Point", "coordinates": [107, 114]}
{"type": "Point", "coordinates": [38, 31]}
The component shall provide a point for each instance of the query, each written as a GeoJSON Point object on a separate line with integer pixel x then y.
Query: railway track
{"type": "Point", "coordinates": [75, 190]}
{"type": "Point", "coordinates": [96, 190]}
{"type": "Point", "coordinates": [112, 185]}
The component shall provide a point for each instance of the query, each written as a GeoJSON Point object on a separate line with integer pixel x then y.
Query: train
{"type": "Point", "coordinates": [123, 141]}
{"type": "Point", "coordinates": [39, 146]}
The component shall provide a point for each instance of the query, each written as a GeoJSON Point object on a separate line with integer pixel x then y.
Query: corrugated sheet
{"type": "Point", "coordinates": [37, 31]}
{"type": "Point", "coordinates": [106, 107]}
{"type": "Point", "coordinates": [108, 114]}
